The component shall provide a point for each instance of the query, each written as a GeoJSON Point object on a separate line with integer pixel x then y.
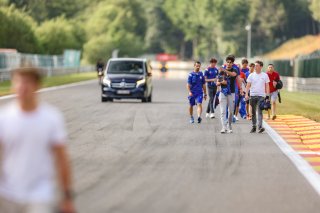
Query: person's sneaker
{"type": "Point", "coordinates": [212, 115]}
{"type": "Point", "coordinates": [253, 130]}
{"type": "Point", "coordinates": [236, 118]}
{"type": "Point", "coordinates": [207, 115]}
{"type": "Point", "coordinates": [229, 131]}
{"type": "Point", "coordinates": [191, 120]}
{"type": "Point", "coordinates": [274, 117]}
{"type": "Point", "coordinates": [261, 130]}
{"type": "Point", "coordinates": [199, 120]}
{"type": "Point", "coordinates": [223, 130]}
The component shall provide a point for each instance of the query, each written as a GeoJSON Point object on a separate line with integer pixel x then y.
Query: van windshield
{"type": "Point", "coordinates": [125, 67]}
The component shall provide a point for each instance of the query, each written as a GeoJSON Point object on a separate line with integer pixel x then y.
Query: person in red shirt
{"type": "Point", "coordinates": [274, 78]}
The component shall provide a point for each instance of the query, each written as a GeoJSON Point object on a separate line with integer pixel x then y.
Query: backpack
{"type": "Point", "coordinates": [279, 84]}
{"type": "Point", "coordinates": [265, 105]}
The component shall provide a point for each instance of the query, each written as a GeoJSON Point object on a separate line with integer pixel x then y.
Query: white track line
{"type": "Point", "coordinates": [302, 165]}
{"type": "Point", "coordinates": [54, 88]}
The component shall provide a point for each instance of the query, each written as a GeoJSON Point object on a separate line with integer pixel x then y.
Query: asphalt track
{"type": "Point", "coordinates": [132, 157]}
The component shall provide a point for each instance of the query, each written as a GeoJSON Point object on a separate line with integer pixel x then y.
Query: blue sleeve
{"type": "Point", "coordinates": [206, 73]}
{"type": "Point", "coordinates": [189, 79]}
{"type": "Point", "coordinates": [203, 81]}
{"type": "Point", "coordinates": [216, 73]}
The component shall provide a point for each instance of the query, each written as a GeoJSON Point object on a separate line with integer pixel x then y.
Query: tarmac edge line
{"type": "Point", "coordinates": [301, 164]}
{"type": "Point", "coordinates": [53, 88]}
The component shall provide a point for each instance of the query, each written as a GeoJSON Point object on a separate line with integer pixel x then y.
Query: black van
{"type": "Point", "coordinates": [127, 78]}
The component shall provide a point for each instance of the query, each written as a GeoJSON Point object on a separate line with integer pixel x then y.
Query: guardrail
{"type": "Point", "coordinates": [5, 74]}
{"type": "Point", "coordinates": [52, 65]}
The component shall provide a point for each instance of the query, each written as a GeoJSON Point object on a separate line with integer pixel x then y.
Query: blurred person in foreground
{"type": "Point", "coordinates": [33, 151]}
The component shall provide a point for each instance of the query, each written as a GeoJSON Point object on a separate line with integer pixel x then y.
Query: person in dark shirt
{"type": "Point", "coordinates": [227, 78]}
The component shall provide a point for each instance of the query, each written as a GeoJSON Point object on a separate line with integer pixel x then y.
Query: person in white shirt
{"type": "Point", "coordinates": [258, 84]}
{"type": "Point", "coordinates": [33, 151]}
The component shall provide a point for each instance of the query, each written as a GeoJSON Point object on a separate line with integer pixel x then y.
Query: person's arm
{"type": "Point", "coordinates": [64, 177]}
{"type": "Point", "coordinates": [267, 87]}
{"type": "Point", "coordinates": [247, 90]}
{"type": "Point", "coordinates": [1, 160]}
{"type": "Point", "coordinates": [207, 79]}
{"type": "Point", "coordinates": [267, 90]}
{"type": "Point", "coordinates": [210, 80]}
{"type": "Point", "coordinates": [224, 82]}
{"type": "Point", "coordinates": [204, 91]}
{"type": "Point", "coordinates": [189, 84]}
{"type": "Point", "coordinates": [189, 89]}
{"type": "Point", "coordinates": [232, 74]}
{"type": "Point", "coordinates": [204, 88]}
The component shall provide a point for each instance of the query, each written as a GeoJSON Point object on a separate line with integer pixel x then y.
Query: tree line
{"type": "Point", "coordinates": [193, 29]}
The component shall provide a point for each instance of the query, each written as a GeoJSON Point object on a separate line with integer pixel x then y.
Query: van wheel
{"type": "Point", "coordinates": [103, 99]}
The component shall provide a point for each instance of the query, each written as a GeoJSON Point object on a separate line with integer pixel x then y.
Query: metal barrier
{"type": "Point", "coordinates": [51, 64]}
{"type": "Point", "coordinates": [304, 67]}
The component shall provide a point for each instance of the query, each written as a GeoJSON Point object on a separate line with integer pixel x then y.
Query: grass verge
{"type": "Point", "coordinates": [300, 103]}
{"type": "Point", "coordinates": [53, 81]}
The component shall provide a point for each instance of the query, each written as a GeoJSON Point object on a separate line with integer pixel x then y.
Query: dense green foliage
{"type": "Point", "coordinates": [315, 9]}
{"type": "Point", "coordinates": [190, 28]}
{"type": "Point", "coordinates": [17, 30]}
{"type": "Point", "coordinates": [58, 34]}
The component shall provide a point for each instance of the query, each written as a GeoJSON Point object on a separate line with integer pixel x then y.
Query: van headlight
{"type": "Point", "coordinates": [141, 82]}
{"type": "Point", "coordinates": [106, 82]}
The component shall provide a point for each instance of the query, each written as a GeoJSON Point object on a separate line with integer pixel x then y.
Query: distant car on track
{"type": "Point", "coordinates": [127, 78]}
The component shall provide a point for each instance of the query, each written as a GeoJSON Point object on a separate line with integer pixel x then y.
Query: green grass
{"type": "Point", "coordinates": [53, 81]}
{"type": "Point", "coordinates": [300, 103]}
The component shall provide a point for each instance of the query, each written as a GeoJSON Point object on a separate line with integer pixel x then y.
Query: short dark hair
{"type": "Point", "coordinates": [197, 62]}
{"type": "Point", "coordinates": [260, 63]}
{"type": "Point", "coordinates": [252, 65]}
{"type": "Point", "coordinates": [231, 58]}
{"type": "Point", "coordinates": [230, 55]}
{"type": "Point", "coordinates": [32, 72]}
{"type": "Point", "coordinates": [244, 61]}
{"type": "Point", "coordinates": [213, 60]}
{"type": "Point", "coordinates": [270, 65]}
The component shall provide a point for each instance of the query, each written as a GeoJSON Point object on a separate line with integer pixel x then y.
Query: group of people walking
{"type": "Point", "coordinates": [230, 85]}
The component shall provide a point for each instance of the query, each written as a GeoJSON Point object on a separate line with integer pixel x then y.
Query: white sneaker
{"type": "Point", "coordinates": [212, 115]}
{"type": "Point", "coordinates": [229, 131]}
{"type": "Point", "coordinates": [235, 117]}
{"type": "Point", "coordinates": [207, 115]}
{"type": "Point", "coordinates": [223, 130]}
